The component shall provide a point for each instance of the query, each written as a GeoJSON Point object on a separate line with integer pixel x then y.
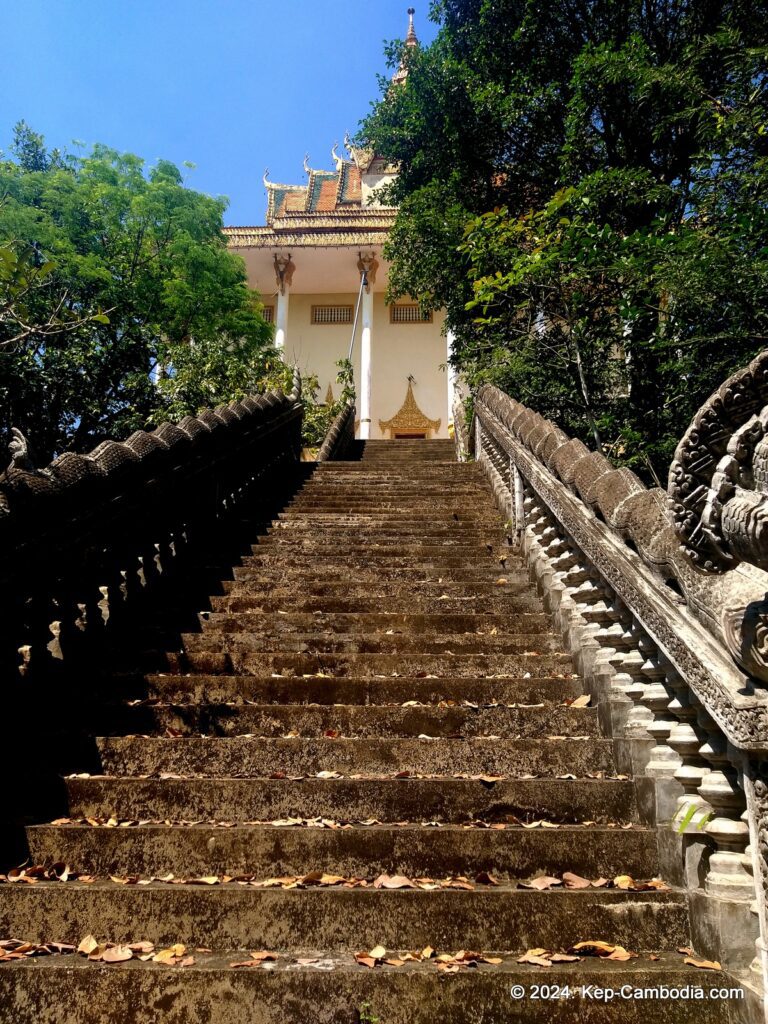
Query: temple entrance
{"type": "Point", "coordinates": [409, 437]}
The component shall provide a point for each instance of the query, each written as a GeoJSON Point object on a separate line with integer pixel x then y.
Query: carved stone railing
{"type": "Point", "coordinates": [340, 439]}
{"type": "Point", "coordinates": [84, 537]}
{"type": "Point", "coordinates": [663, 600]}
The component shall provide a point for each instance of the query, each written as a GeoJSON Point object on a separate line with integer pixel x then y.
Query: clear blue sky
{"type": "Point", "coordinates": [231, 85]}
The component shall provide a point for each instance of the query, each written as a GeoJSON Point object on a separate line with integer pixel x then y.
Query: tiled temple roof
{"type": "Point", "coordinates": [352, 226]}
{"type": "Point", "coordinates": [328, 210]}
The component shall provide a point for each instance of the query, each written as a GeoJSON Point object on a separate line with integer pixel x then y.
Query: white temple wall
{"type": "Point", "coordinates": [398, 350]}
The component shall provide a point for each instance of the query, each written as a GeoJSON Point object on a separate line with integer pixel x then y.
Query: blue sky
{"type": "Point", "coordinates": [231, 85]}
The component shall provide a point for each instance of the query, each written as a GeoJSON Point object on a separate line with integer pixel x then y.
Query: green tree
{"type": "Point", "coordinates": [135, 266]}
{"type": "Point", "coordinates": [583, 186]}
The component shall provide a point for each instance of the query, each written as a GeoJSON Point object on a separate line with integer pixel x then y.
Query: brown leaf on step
{"type": "Point", "coordinates": [581, 702]}
{"type": "Point", "coordinates": [484, 878]}
{"type": "Point", "coordinates": [564, 958]}
{"type": "Point", "coordinates": [706, 965]}
{"type": "Point", "coordinates": [395, 963]}
{"type": "Point", "coordinates": [378, 953]}
{"type": "Point", "coordinates": [141, 947]}
{"type": "Point", "coordinates": [541, 883]}
{"type": "Point", "coordinates": [501, 581]}
{"type": "Point", "coordinates": [117, 954]}
{"type": "Point", "coordinates": [205, 880]}
{"type": "Point", "coordinates": [332, 734]}
{"type": "Point", "coordinates": [393, 882]}
{"type": "Point", "coordinates": [599, 883]}
{"type": "Point", "coordinates": [188, 961]}
{"type": "Point", "coordinates": [654, 957]}
{"type": "Point", "coordinates": [536, 957]}
{"type": "Point", "coordinates": [686, 950]}
{"type": "Point", "coordinates": [262, 955]}
{"type": "Point", "coordinates": [575, 881]}
{"type": "Point", "coordinates": [624, 882]}
{"type": "Point", "coordinates": [88, 944]}
{"type": "Point", "coordinates": [365, 961]}
{"type": "Point", "coordinates": [172, 955]}
{"type": "Point", "coordinates": [427, 953]}
{"type": "Point", "coordinates": [245, 963]}
{"type": "Point", "coordinates": [597, 947]}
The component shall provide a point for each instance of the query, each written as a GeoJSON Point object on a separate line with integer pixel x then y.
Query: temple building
{"type": "Point", "coordinates": [318, 266]}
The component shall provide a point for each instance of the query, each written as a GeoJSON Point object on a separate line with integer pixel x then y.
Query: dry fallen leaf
{"type": "Point", "coordinates": [88, 944]}
{"type": "Point", "coordinates": [707, 965]}
{"type": "Point", "coordinates": [575, 881]}
{"type": "Point", "coordinates": [541, 883]}
{"type": "Point", "coordinates": [537, 957]}
{"type": "Point", "coordinates": [116, 954]}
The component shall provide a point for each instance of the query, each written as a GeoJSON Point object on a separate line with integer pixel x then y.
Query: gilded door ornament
{"type": "Point", "coordinates": [409, 419]}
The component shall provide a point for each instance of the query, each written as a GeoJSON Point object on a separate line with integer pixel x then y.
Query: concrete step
{"type": "Point", "coordinates": [244, 662]}
{"type": "Point", "coordinates": [218, 636]}
{"type": "Point", "coordinates": [448, 800]}
{"type": "Point", "coordinates": [413, 850]}
{"type": "Point", "coordinates": [424, 558]}
{"type": "Point", "coordinates": [363, 690]}
{"type": "Point", "coordinates": [259, 595]}
{"type": "Point", "coordinates": [374, 623]}
{"type": "Point", "coordinates": [275, 720]}
{"type": "Point", "coordinates": [242, 756]}
{"type": "Point", "coordinates": [71, 990]}
{"type": "Point", "coordinates": [244, 917]}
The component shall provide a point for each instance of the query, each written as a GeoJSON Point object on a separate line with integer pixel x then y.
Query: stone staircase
{"type": "Point", "coordinates": [370, 742]}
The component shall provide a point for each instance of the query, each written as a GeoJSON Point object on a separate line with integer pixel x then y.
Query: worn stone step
{"type": "Point", "coordinates": [311, 547]}
{"type": "Point", "coordinates": [218, 637]}
{"type": "Point", "coordinates": [415, 851]}
{"type": "Point", "coordinates": [515, 585]}
{"type": "Point", "coordinates": [260, 595]}
{"type": "Point", "coordinates": [465, 579]}
{"type": "Point", "coordinates": [370, 690]}
{"type": "Point", "coordinates": [333, 572]}
{"type": "Point", "coordinates": [427, 508]}
{"type": "Point", "coordinates": [373, 623]}
{"type": "Point", "coordinates": [342, 919]}
{"type": "Point", "coordinates": [352, 721]}
{"type": "Point", "coordinates": [244, 662]}
{"type": "Point", "coordinates": [301, 529]}
{"type": "Point", "coordinates": [389, 800]}
{"type": "Point", "coordinates": [243, 757]}
{"type": "Point", "coordinates": [70, 990]}
{"type": "Point", "coordinates": [445, 558]}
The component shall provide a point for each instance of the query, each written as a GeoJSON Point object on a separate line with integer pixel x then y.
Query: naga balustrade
{"type": "Point", "coordinates": [340, 439]}
{"type": "Point", "coordinates": [83, 537]}
{"type": "Point", "coordinates": [662, 597]}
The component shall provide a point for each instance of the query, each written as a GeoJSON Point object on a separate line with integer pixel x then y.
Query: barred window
{"type": "Point", "coordinates": [408, 313]}
{"type": "Point", "coordinates": [269, 314]}
{"type": "Point", "coordinates": [332, 314]}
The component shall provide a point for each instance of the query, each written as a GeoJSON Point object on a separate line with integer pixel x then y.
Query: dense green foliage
{"type": "Point", "coordinates": [584, 187]}
{"type": "Point", "coordinates": [119, 302]}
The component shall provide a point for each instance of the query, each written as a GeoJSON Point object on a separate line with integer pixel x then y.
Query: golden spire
{"type": "Point", "coordinates": [411, 42]}
{"type": "Point", "coordinates": [411, 39]}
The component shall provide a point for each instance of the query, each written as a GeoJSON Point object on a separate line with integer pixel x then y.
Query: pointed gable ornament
{"type": "Point", "coordinates": [409, 419]}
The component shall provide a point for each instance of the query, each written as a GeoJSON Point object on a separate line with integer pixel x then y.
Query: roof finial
{"type": "Point", "coordinates": [411, 39]}
{"type": "Point", "coordinates": [335, 156]}
{"type": "Point", "coordinates": [307, 168]}
{"type": "Point", "coordinates": [265, 179]}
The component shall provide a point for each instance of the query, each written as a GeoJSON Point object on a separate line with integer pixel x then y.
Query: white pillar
{"type": "Point", "coordinates": [365, 365]}
{"type": "Point", "coordinates": [450, 338]}
{"type": "Point", "coordinates": [281, 317]}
